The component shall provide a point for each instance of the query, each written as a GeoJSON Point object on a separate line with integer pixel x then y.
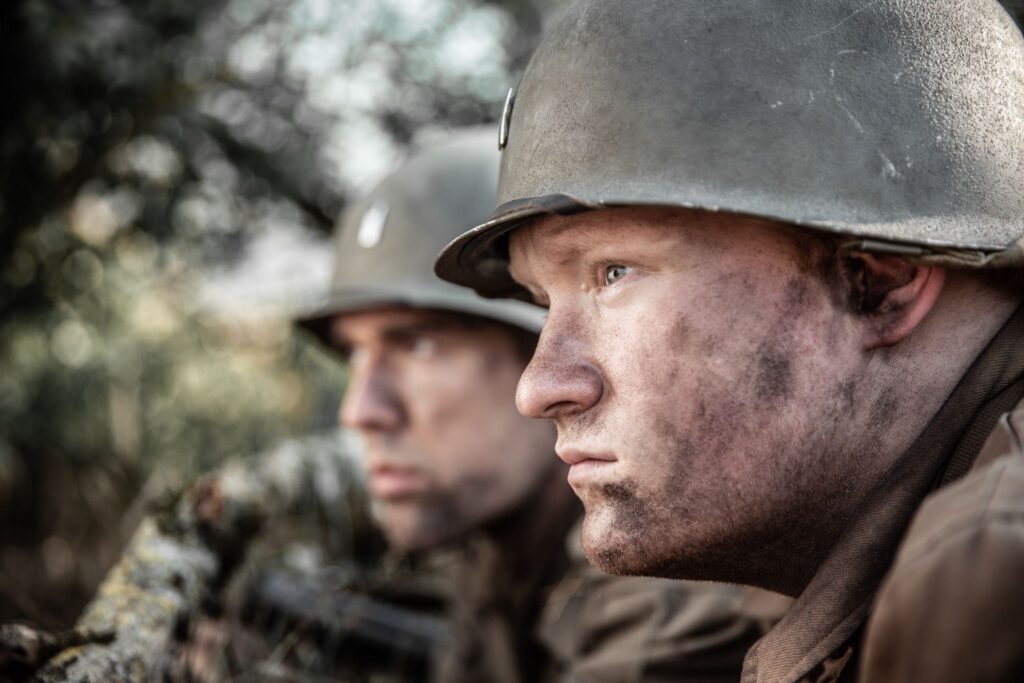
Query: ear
{"type": "Point", "coordinates": [893, 296]}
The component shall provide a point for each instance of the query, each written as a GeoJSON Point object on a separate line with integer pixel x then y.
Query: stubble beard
{"type": "Point", "coordinates": [627, 533]}
{"type": "Point", "coordinates": [685, 531]}
{"type": "Point", "coordinates": [614, 528]}
{"type": "Point", "coordinates": [419, 524]}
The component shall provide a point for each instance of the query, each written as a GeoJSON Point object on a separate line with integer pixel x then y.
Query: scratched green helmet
{"type": "Point", "coordinates": [387, 240]}
{"type": "Point", "coordinates": [898, 122]}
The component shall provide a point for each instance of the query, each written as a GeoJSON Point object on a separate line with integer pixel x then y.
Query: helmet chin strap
{"type": "Point", "coordinates": [945, 257]}
{"type": "Point", "coordinates": [1010, 257]}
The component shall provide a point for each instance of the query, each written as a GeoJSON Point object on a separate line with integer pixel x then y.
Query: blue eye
{"type": "Point", "coordinates": [614, 273]}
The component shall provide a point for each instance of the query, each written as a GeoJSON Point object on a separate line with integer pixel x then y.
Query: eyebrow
{"type": "Point", "coordinates": [559, 255]}
{"type": "Point", "coordinates": [403, 330]}
{"type": "Point", "coordinates": [399, 331]}
{"type": "Point", "coordinates": [514, 276]}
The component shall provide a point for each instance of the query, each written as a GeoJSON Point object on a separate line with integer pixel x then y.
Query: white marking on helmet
{"type": "Point", "coordinates": [371, 228]}
{"type": "Point", "coordinates": [506, 119]}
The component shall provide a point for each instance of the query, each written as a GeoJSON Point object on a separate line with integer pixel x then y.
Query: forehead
{"type": "Point", "coordinates": [564, 240]}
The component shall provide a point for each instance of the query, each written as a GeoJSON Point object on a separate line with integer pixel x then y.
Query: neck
{"type": "Point", "coordinates": [907, 393]}
{"type": "Point", "coordinates": [899, 390]}
{"type": "Point", "coordinates": [835, 601]}
{"type": "Point", "coordinates": [916, 377]}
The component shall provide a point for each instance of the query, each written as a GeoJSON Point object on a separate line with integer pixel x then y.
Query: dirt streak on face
{"type": "Point", "coordinates": [433, 400]}
{"type": "Point", "coordinates": [701, 373]}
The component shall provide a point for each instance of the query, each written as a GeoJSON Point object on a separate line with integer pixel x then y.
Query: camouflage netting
{"type": "Point", "coordinates": [179, 558]}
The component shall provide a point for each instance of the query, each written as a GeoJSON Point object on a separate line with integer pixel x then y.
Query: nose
{"type": "Point", "coordinates": [371, 402]}
{"type": "Point", "coordinates": [559, 381]}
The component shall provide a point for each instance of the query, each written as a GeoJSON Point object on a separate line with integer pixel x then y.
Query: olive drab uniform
{"type": "Point", "coordinates": [950, 607]}
{"type": "Point", "coordinates": [567, 621]}
{"type": "Point", "coordinates": [960, 564]}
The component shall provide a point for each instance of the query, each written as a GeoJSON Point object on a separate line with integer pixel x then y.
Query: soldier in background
{"type": "Point", "coordinates": [450, 463]}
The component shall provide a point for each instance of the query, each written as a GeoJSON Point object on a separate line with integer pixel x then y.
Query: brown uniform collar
{"type": "Point", "coordinates": [501, 589]}
{"type": "Point", "coordinates": [836, 602]}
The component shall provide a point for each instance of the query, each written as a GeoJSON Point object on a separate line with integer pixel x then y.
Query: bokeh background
{"type": "Point", "coordinates": [170, 171]}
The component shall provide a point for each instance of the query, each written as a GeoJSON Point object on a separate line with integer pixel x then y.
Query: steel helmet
{"type": "Point", "coordinates": [900, 122]}
{"type": "Point", "coordinates": [387, 240]}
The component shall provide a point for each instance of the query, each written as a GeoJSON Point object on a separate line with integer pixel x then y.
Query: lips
{"type": "Point", "coordinates": [391, 483]}
{"type": "Point", "coordinates": [586, 466]}
{"type": "Point", "coordinates": [573, 456]}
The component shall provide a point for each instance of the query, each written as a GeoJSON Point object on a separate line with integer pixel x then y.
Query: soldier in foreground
{"type": "Point", "coordinates": [781, 247]}
{"type": "Point", "coordinates": [449, 461]}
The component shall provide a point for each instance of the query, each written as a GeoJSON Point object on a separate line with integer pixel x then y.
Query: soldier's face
{"type": "Point", "coordinates": [433, 399]}
{"type": "Point", "coordinates": [697, 370]}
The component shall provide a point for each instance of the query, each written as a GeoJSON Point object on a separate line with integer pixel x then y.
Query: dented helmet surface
{"type": "Point", "coordinates": [387, 240]}
{"type": "Point", "coordinates": [898, 122]}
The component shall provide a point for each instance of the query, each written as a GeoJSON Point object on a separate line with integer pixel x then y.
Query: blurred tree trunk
{"type": "Point", "coordinates": [160, 580]}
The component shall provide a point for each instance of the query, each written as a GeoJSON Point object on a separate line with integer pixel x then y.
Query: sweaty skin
{"type": "Point", "coordinates": [723, 401]}
{"type": "Point", "coordinates": [446, 451]}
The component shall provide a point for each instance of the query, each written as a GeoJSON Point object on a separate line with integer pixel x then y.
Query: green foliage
{"type": "Point", "coordinates": [143, 146]}
{"type": "Point", "coordinates": [119, 379]}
